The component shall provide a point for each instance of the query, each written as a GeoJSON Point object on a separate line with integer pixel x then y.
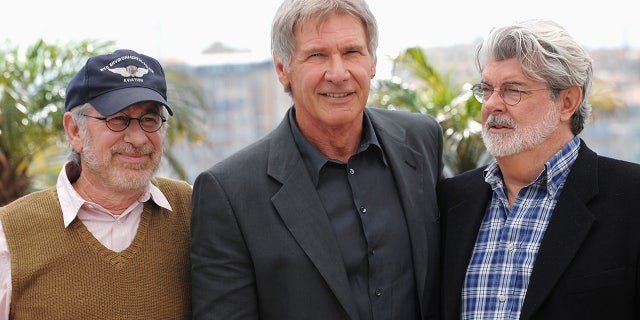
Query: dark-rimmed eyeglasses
{"type": "Point", "coordinates": [510, 95]}
{"type": "Point", "coordinates": [149, 122]}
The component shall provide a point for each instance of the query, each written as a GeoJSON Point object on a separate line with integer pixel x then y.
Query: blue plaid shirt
{"type": "Point", "coordinates": [508, 241]}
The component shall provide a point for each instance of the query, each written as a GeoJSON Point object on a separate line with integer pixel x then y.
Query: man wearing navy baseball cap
{"type": "Point", "coordinates": [110, 240]}
{"type": "Point", "coordinates": [115, 81]}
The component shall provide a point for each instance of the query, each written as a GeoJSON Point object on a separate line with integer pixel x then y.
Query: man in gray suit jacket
{"type": "Point", "coordinates": [333, 214]}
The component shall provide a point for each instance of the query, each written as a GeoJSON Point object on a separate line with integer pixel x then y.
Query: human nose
{"type": "Point", "coordinates": [134, 133]}
{"type": "Point", "coordinates": [337, 71]}
{"type": "Point", "coordinates": [493, 101]}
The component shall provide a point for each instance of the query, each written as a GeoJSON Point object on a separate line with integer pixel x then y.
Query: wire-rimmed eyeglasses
{"type": "Point", "coordinates": [510, 95]}
{"type": "Point", "coordinates": [149, 122]}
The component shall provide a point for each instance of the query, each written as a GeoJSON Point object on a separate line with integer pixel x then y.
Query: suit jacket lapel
{"type": "Point", "coordinates": [462, 223]}
{"type": "Point", "coordinates": [300, 207]}
{"type": "Point", "coordinates": [569, 226]}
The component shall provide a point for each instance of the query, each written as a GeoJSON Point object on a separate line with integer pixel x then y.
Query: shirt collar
{"type": "Point", "coordinates": [555, 171]}
{"type": "Point", "coordinates": [315, 160]}
{"type": "Point", "coordinates": [71, 201]}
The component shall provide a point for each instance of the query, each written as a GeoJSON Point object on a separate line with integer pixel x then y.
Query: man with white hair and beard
{"type": "Point", "coordinates": [549, 229]}
{"type": "Point", "coordinates": [110, 240]}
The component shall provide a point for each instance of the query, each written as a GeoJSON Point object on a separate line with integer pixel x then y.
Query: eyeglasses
{"type": "Point", "coordinates": [510, 95]}
{"type": "Point", "coordinates": [150, 122]}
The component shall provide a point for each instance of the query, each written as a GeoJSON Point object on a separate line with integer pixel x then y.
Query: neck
{"type": "Point", "coordinates": [337, 142]}
{"type": "Point", "coordinates": [519, 170]}
{"type": "Point", "coordinates": [116, 201]}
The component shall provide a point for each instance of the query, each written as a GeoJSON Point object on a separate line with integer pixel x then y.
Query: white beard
{"type": "Point", "coordinates": [520, 138]}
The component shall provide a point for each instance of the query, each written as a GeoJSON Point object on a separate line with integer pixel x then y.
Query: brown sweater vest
{"type": "Point", "coordinates": [60, 273]}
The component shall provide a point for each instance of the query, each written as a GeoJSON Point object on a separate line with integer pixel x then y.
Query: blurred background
{"type": "Point", "coordinates": [183, 29]}
{"type": "Point", "coordinates": [223, 86]}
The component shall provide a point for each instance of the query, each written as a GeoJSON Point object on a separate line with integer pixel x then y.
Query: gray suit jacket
{"type": "Point", "coordinates": [263, 246]}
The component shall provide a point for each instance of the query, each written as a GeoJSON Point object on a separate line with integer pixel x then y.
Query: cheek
{"type": "Point", "coordinates": [100, 141]}
{"type": "Point", "coordinates": [362, 68]}
{"type": "Point", "coordinates": [306, 74]}
{"type": "Point", "coordinates": [157, 140]}
{"type": "Point", "coordinates": [484, 113]}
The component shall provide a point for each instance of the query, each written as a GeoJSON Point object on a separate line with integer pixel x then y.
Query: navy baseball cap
{"type": "Point", "coordinates": [113, 82]}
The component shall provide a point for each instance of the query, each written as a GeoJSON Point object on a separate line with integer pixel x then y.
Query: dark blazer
{"type": "Point", "coordinates": [263, 246]}
{"type": "Point", "coordinates": [587, 264]}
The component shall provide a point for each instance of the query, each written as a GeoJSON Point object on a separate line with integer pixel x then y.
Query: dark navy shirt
{"type": "Point", "coordinates": [363, 205]}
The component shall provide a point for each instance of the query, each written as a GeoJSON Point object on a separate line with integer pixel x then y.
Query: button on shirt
{"type": "Point", "coordinates": [115, 232]}
{"type": "Point", "coordinates": [364, 209]}
{"type": "Point", "coordinates": [509, 238]}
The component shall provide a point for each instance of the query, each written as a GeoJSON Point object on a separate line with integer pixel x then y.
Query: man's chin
{"type": "Point", "coordinates": [497, 147]}
{"type": "Point", "coordinates": [132, 183]}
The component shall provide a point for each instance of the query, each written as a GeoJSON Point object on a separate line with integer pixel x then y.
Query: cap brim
{"type": "Point", "coordinates": [117, 100]}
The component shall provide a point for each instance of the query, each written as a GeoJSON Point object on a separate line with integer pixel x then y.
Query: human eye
{"type": "Point", "coordinates": [511, 91]}
{"type": "Point", "coordinates": [511, 95]}
{"type": "Point", "coordinates": [486, 90]}
{"type": "Point", "coordinates": [119, 120]}
{"type": "Point", "coordinates": [150, 119]}
{"type": "Point", "coordinates": [316, 53]}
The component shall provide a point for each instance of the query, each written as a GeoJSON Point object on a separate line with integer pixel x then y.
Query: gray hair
{"type": "Point", "coordinates": [81, 122]}
{"type": "Point", "coordinates": [546, 52]}
{"type": "Point", "coordinates": [294, 12]}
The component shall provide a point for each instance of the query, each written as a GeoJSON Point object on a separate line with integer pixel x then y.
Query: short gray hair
{"type": "Point", "coordinates": [294, 12]}
{"type": "Point", "coordinates": [81, 122]}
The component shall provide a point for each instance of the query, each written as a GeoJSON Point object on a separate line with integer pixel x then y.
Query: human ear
{"type": "Point", "coordinates": [72, 130]}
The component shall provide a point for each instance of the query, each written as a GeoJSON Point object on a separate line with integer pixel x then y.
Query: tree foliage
{"type": "Point", "coordinates": [426, 90]}
{"type": "Point", "coordinates": [32, 90]}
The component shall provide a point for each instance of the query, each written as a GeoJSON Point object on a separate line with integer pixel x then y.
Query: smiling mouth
{"type": "Point", "coordinates": [336, 95]}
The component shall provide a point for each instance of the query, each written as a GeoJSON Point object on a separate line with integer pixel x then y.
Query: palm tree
{"type": "Point", "coordinates": [430, 92]}
{"type": "Point", "coordinates": [32, 91]}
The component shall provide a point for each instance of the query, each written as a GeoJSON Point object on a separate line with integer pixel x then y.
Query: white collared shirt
{"type": "Point", "coordinates": [115, 232]}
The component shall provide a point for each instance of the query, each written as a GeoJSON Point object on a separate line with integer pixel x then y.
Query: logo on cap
{"type": "Point", "coordinates": [130, 71]}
